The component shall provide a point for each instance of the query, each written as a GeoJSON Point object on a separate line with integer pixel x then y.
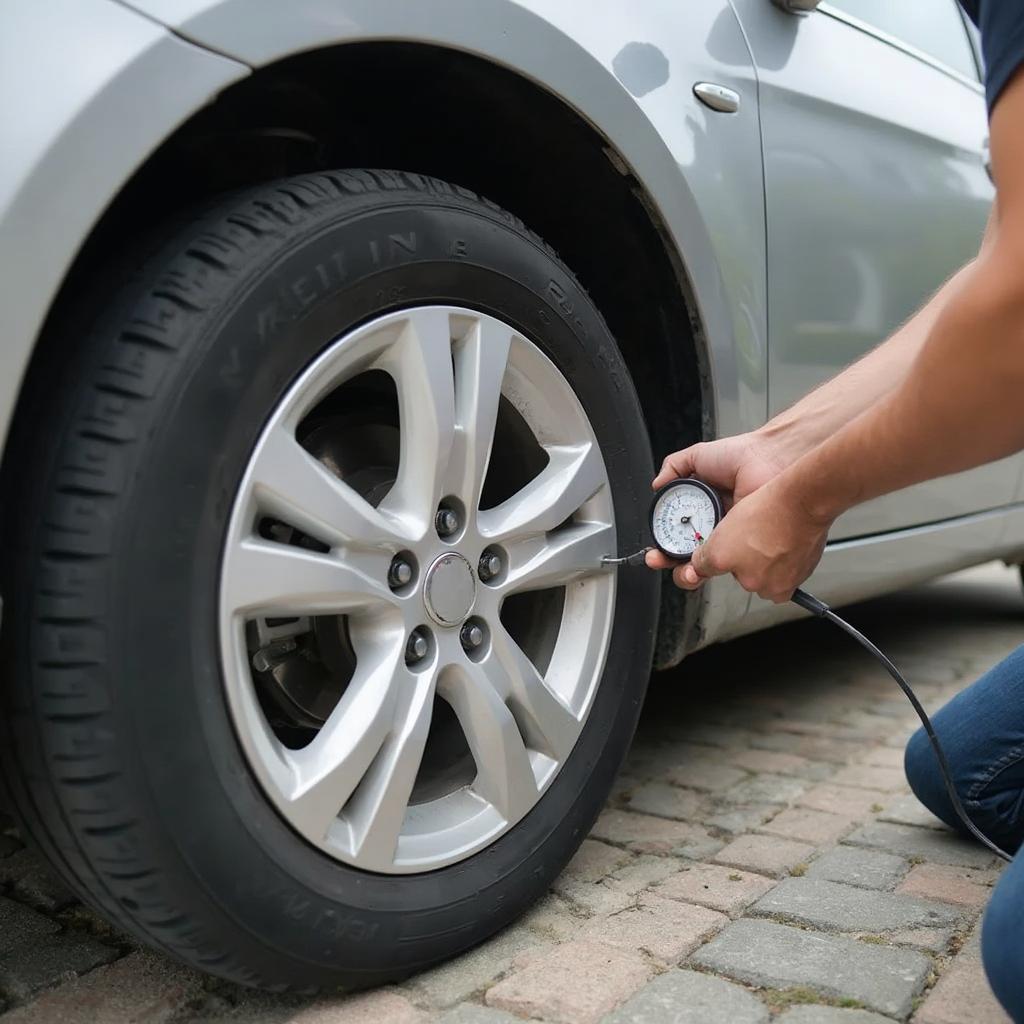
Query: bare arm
{"type": "Point", "coordinates": [825, 410]}
{"type": "Point", "coordinates": [737, 466]}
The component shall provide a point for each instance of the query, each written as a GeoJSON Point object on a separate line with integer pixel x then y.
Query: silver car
{"type": "Point", "coordinates": [337, 342]}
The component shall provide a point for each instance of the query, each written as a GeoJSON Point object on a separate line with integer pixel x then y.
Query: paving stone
{"type": "Point", "coordinates": [378, 1007]}
{"type": "Point", "coordinates": [20, 926]}
{"type": "Point", "coordinates": [816, 748]}
{"type": "Point", "coordinates": [35, 882]}
{"type": "Point", "coordinates": [644, 833]}
{"type": "Point", "coordinates": [643, 872]}
{"type": "Point", "coordinates": [866, 776]}
{"type": "Point", "coordinates": [827, 730]}
{"type": "Point", "coordinates": [712, 885]}
{"type": "Point", "coordinates": [972, 947]}
{"type": "Point", "coordinates": [934, 940]}
{"type": "Point", "coordinates": [664, 928]}
{"type": "Point", "coordinates": [705, 773]}
{"type": "Point", "coordinates": [843, 800]}
{"type": "Point", "coordinates": [908, 810]}
{"type": "Point", "coordinates": [470, 1013]}
{"type": "Point", "coordinates": [624, 785]}
{"type": "Point", "coordinates": [663, 800]}
{"type": "Point", "coordinates": [810, 826]}
{"type": "Point", "coordinates": [602, 898]}
{"type": "Point", "coordinates": [881, 757]}
{"type": "Point", "coordinates": [550, 987]}
{"type": "Point", "coordinates": [765, 789]}
{"type": "Point", "coordinates": [829, 1015]}
{"type": "Point", "coordinates": [961, 995]}
{"type": "Point", "coordinates": [229, 1005]}
{"type": "Point", "coordinates": [851, 865]}
{"type": "Point", "coordinates": [926, 843]}
{"type": "Point", "coordinates": [722, 736]}
{"type": "Point", "coordinates": [139, 987]}
{"type": "Point", "coordinates": [704, 776]}
{"type": "Point", "coordinates": [949, 884]}
{"type": "Point", "coordinates": [768, 855]}
{"type": "Point", "coordinates": [689, 997]}
{"type": "Point", "coordinates": [594, 860]}
{"type": "Point", "coordinates": [779, 762]}
{"type": "Point", "coordinates": [830, 905]}
{"type": "Point", "coordinates": [30, 969]}
{"type": "Point", "coordinates": [552, 917]}
{"type": "Point", "coordinates": [740, 819]}
{"type": "Point", "coordinates": [777, 956]}
{"type": "Point", "coordinates": [471, 972]}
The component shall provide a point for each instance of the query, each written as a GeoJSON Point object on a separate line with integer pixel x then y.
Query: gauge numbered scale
{"type": "Point", "coordinates": [683, 515]}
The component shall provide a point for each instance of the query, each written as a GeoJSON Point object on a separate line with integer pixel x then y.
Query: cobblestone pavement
{"type": "Point", "coordinates": [760, 860]}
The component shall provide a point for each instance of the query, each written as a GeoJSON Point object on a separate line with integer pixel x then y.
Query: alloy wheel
{"type": "Point", "coordinates": [413, 612]}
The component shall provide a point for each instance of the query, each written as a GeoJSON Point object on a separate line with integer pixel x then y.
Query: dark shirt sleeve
{"type": "Point", "coordinates": [1002, 40]}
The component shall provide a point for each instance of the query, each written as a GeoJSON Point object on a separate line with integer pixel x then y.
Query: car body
{"type": "Point", "coordinates": [891, 156]}
{"type": "Point", "coordinates": [753, 197]}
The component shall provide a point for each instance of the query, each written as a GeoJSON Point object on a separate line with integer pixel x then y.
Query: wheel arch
{"type": "Point", "coordinates": [584, 128]}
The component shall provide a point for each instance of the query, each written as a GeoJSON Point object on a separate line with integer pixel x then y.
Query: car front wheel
{"type": "Point", "coordinates": [314, 673]}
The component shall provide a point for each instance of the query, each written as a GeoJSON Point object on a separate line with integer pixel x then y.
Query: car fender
{"type": "Point", "coordinates": [630, 71]}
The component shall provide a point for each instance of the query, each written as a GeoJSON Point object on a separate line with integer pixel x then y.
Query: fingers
{"type": "Point", "coordinates": [656, 559]}
{"type": "Point", "coordinates": [683, 575]}
{"type": "Point", "coordinates": [686, 577]}
{"type": "Point", "coordinates": [676, 465]}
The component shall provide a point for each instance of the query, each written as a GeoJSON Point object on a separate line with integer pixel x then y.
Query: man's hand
{"type": "Point", "coordinates": [734, 466]}
{"type": "Point", "coordinates": [768, 541]}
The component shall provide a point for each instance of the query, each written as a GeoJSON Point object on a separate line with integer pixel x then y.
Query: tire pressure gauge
{"type": "Point", "coordinates": [683, 515]}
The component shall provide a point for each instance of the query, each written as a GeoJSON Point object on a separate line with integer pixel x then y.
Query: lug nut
{"type": "Point", "coordinates": [489, 567]}
{"type": "Point", "coordinates": [472, 636]}
{"type": "Point", "coordinates": [446, 521]}
{"type": "Point", "coordinates": [417, 646]}
{"type": "Point", "coordinates": [400, 572]}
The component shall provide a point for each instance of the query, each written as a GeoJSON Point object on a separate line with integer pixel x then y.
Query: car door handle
{"type": "Point", "coordinates": [797, 6]}
{"type": "Point", "coordinates": [986, 158]}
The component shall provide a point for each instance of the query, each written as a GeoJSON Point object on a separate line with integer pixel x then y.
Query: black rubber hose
{"type": "Point", "coordinates": [822, 611]}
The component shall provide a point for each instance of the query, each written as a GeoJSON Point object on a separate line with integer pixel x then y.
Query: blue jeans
{"type": "Point", "coordinates": [982, 732]}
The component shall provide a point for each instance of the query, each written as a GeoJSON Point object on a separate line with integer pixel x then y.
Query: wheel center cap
{"type": "Point", "coordinates": [449, 589]}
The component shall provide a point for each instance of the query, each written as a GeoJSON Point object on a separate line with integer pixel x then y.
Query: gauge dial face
{"type": "Point", "coordinates": [683, 516]}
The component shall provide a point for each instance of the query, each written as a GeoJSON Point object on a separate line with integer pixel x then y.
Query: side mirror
{"type": "Point", "coordinates": [797, 6]}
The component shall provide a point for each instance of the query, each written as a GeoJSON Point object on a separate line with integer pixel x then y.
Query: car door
{"type": "Point", "coordinates": [874, 129]}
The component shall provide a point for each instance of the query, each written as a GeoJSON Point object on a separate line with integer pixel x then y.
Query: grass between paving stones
{"type": "Point", "coordinates": [798, 870]}
{"type": "Point", "coordinates": [80, 919]}
{"type": "Point", "coordinates": [779, 999]}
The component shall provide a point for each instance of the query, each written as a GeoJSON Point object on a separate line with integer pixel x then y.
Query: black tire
{"type": "Point", "coordinates": [116, 737]}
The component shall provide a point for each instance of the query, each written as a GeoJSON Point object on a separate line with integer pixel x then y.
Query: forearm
{"type": "Point", "coordinates": [960, 404]}
{"type": "Point", "coordinates": [829, 407]}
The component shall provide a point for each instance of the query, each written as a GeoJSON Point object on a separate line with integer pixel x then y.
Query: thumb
{"type": "Point", "coordinates": [703, 562]}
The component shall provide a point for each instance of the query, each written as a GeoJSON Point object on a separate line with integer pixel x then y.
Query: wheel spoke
{"type": "Point", "coordinates": [505, 775]}
{"type": "Point", "coordinates": [331, 767]}
{"type": "Point", "coordinates": [377, 810]}
{"type": "Point", "coordinates": [555, 559]}
{"type": "Point", "coordinates": [545, 721]}
{"type": "Point", "coordinates": [291, 485]}
{"type": "Point", "coordinates": [420, 361]}
{"type": "Point", "coordinates": [261, 577]}
{"type": "Point", "coordinates": [573, 474]}
{"type": "Point", "coordinates": [480, 362]}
